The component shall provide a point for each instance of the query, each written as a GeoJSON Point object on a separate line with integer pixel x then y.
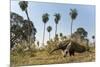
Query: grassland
{"type": "Point", "coordinates": [43, 57]}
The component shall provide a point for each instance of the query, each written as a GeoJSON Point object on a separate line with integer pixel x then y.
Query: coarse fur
{"type": "Point", "coordinates": [74, 47]}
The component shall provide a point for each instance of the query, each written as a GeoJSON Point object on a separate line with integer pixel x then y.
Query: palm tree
{"type": "Point", "coordinates": [93, 37]}
{"type": "Point", "coordinates": [57, 18]}
{"type": "Point", "coordinates": [30, 27]}
{"type": "Point", "coordinates": [23, 5]}
{"type": "Point", "coordinates": [61, 36]}
{"type": "Point", "coordinates": [45, 19]}
{"type": "Point", "coordinates": [49, 29]}
{"type": "Point", "coordinates": [73, 15]}
{"type": "Point", "coordinates": [38, 43]}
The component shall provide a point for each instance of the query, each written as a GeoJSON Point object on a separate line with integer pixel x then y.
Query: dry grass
{"type": "Point", "coordinates": [43, 57]}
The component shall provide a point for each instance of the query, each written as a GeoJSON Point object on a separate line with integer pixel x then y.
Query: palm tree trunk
{"type": "Point", "coordinates": [29, 40]}
{"type": "Point", "coordinates": [56, 30]}
{"type": "Point", "coordinates": [93, 41]}
{"type": "Point", "coordinates": [87, 45]}
{"type": "Point", "coordinates": [71, 28]}
{"type": "Point", "coordinates": [43, 34]}
{"type": "Point", "coordinates": [27, 15]}
{"type": "Point", "coordinates": [49, 36]}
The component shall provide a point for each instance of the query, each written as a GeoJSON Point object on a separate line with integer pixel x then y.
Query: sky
{"type": "Point", "coordinates": [85, 18]}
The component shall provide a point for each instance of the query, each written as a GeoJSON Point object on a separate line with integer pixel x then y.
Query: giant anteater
{"type": "Point", "coordinates": [70, 47]}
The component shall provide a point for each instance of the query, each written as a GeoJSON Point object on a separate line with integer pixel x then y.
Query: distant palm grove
{"type": "Point", "coordinates": [24, 42]}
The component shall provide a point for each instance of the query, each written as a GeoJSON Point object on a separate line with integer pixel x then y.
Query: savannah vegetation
{"type": "Point", "coordinates": [25, 49]}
